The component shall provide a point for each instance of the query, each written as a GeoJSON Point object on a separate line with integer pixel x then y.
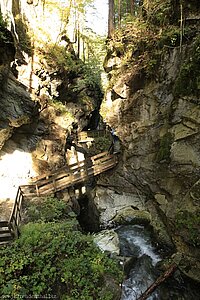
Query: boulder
{"type": "Point", "coordinates": [129, 215]}
{"type": "Point", "coordinates": [109, 203]}
{"type": "Point", "coordinates": [107, 241]}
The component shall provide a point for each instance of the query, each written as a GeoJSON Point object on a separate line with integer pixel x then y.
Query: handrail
{"type": "Point", "coordinates": [15, 216]}
{"type": "Point", "coordinates": [75, 173]}
{"type": "Point", "coordinates": [87, 135]}
{"type": "Point", "coordinates": [51, 182]}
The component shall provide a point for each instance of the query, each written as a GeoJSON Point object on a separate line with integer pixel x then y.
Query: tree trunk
{"type": "Point", "coordinates": [158, 281]}
{"type": "Point", "coordinates": [111, 22]}
{"type": "Point", "coordinates": [132, 6]}
{"type": "Point", "coordinates": [119, 14]}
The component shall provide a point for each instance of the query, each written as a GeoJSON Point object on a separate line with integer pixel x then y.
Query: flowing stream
{"type": "Point", "coordinates": [136, 243]}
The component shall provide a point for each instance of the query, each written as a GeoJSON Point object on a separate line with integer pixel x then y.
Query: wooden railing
{"type": "Point", "coordinates": [67, 176]}
{"type": "Point", "coordinates": [10, 229]}
{"type": "Point", "coordinates": [89, 135]}
{"type": "Point", "coordinates": [16, 213]}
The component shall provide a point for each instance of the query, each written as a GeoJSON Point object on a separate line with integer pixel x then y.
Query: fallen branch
{"type": "Point", "coordinates": [158, 281]}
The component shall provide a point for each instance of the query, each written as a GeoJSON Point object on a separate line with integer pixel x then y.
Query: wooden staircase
{"type": "Point", "coordinates": [52, 182]}
{"type": "Point", "coordinates": [10, 229]}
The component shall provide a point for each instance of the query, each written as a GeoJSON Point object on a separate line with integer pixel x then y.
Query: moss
{"type": "Point", "coordinates": [188, 226]}
{"type": "Point", "coordinates": [163, 153]}
{"type": "Point", "coordinates": [188, 80]}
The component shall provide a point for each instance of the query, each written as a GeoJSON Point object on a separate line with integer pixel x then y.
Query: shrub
{"type": "Point", "coordinates": [47, 209]}
{"type": "Point", "coordinates": [54, 259]}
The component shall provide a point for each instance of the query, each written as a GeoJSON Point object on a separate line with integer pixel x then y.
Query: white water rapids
{"type": "Point", "coordinates": [135, 242]}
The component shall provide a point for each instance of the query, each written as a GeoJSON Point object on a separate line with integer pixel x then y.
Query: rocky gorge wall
{"type": "Point", "coordinates": [154, 110]}
{"type": "Point", "coordinates": [42, 100]}
{"type": "Point", "coordinates": [157, 118]}
{"type": "Point", "coordinates": [42, 78]}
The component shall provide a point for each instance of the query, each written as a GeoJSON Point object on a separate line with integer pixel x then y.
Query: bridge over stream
{"type": "Point", "coordinates": [68, 176]}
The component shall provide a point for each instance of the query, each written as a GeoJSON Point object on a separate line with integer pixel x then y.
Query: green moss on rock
{"type": "Point", "coordinates": [188, 226]}
{"type": "Point", "coordinates": [163, 153]}
{"type": "Point", "coordinates": [131, 216]}
{"type": "Point", "coordinates": [188, 80]}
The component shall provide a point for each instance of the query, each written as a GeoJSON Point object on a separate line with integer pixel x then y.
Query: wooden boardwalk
{"type": "Point", "coordinates": [48, 183]}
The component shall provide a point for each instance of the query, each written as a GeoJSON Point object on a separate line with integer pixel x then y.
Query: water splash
{"type": "Point", "coordinates": [135, 241]}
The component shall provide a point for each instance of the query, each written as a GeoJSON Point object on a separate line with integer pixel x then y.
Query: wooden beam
{"type": "Point", "coordinates": [171, 269]}
{"type": "Point", "coordinates": [3, 223]}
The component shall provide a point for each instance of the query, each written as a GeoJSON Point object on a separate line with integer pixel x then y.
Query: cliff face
{"type": "Point", "coordinates": [44, 82]}
{"type": "Point", "coordinates": [16, 105]}
{"type": "Point", "coordinates": [153, 105]}
{"type": "Point", "coordinates": [44, 89]}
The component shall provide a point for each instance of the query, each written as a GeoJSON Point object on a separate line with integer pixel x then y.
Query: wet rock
{"type": "Point", "coordinates": [109, 203]}
{"type": "Point", "coordinates": [111, 286]}
{"type": "Point", "coordinates": [107, 241]}
{"type": "Point", "coordinates": [129, 215]}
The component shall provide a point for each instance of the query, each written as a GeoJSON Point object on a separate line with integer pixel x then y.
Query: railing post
{"type": "Point", "coordinates": [37, 190]}
{"type": "Point", "coordinates": [54, 185]}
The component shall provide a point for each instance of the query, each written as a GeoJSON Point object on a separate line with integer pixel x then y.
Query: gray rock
{"type": "Point", "coordinates": [107, 241]}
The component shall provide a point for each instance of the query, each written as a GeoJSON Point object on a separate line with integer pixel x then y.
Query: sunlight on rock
{"type": "Point", "coordinates": [15, 169]}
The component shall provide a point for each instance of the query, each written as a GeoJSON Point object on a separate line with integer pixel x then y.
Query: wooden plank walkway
{"type": "Point", "coordinates": [52, 182]}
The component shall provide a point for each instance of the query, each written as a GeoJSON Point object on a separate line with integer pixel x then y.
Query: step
{"type": "Point", "coordinates": [6, 237]}
{"type": "Point", "coordinates": [3, 224]}
{"type": "Point", "coordinates": [3, 231]}
{"type": "Point", "coordinates": [5, 243]}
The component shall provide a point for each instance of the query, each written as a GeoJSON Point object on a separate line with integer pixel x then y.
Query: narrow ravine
{"type": "Point", "coordinates": [136, 244]}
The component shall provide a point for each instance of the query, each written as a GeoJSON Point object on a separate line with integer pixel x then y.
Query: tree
{"type": "Point", "coordinates": [132, 7]}
{"type": "Point", "coordinates": [119, 13]}
{"type": "Point", "coordinates": [111, 18]}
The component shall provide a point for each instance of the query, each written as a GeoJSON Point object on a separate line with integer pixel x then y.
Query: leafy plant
{"type": "Point", "coordinates": [46, 210]}
{"type": "Point", "coordinates": [52, 257]}
{"type": "Point", "coordinates": [3, 21]}
{"type": "Point", "coordinates": [55, 259]}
